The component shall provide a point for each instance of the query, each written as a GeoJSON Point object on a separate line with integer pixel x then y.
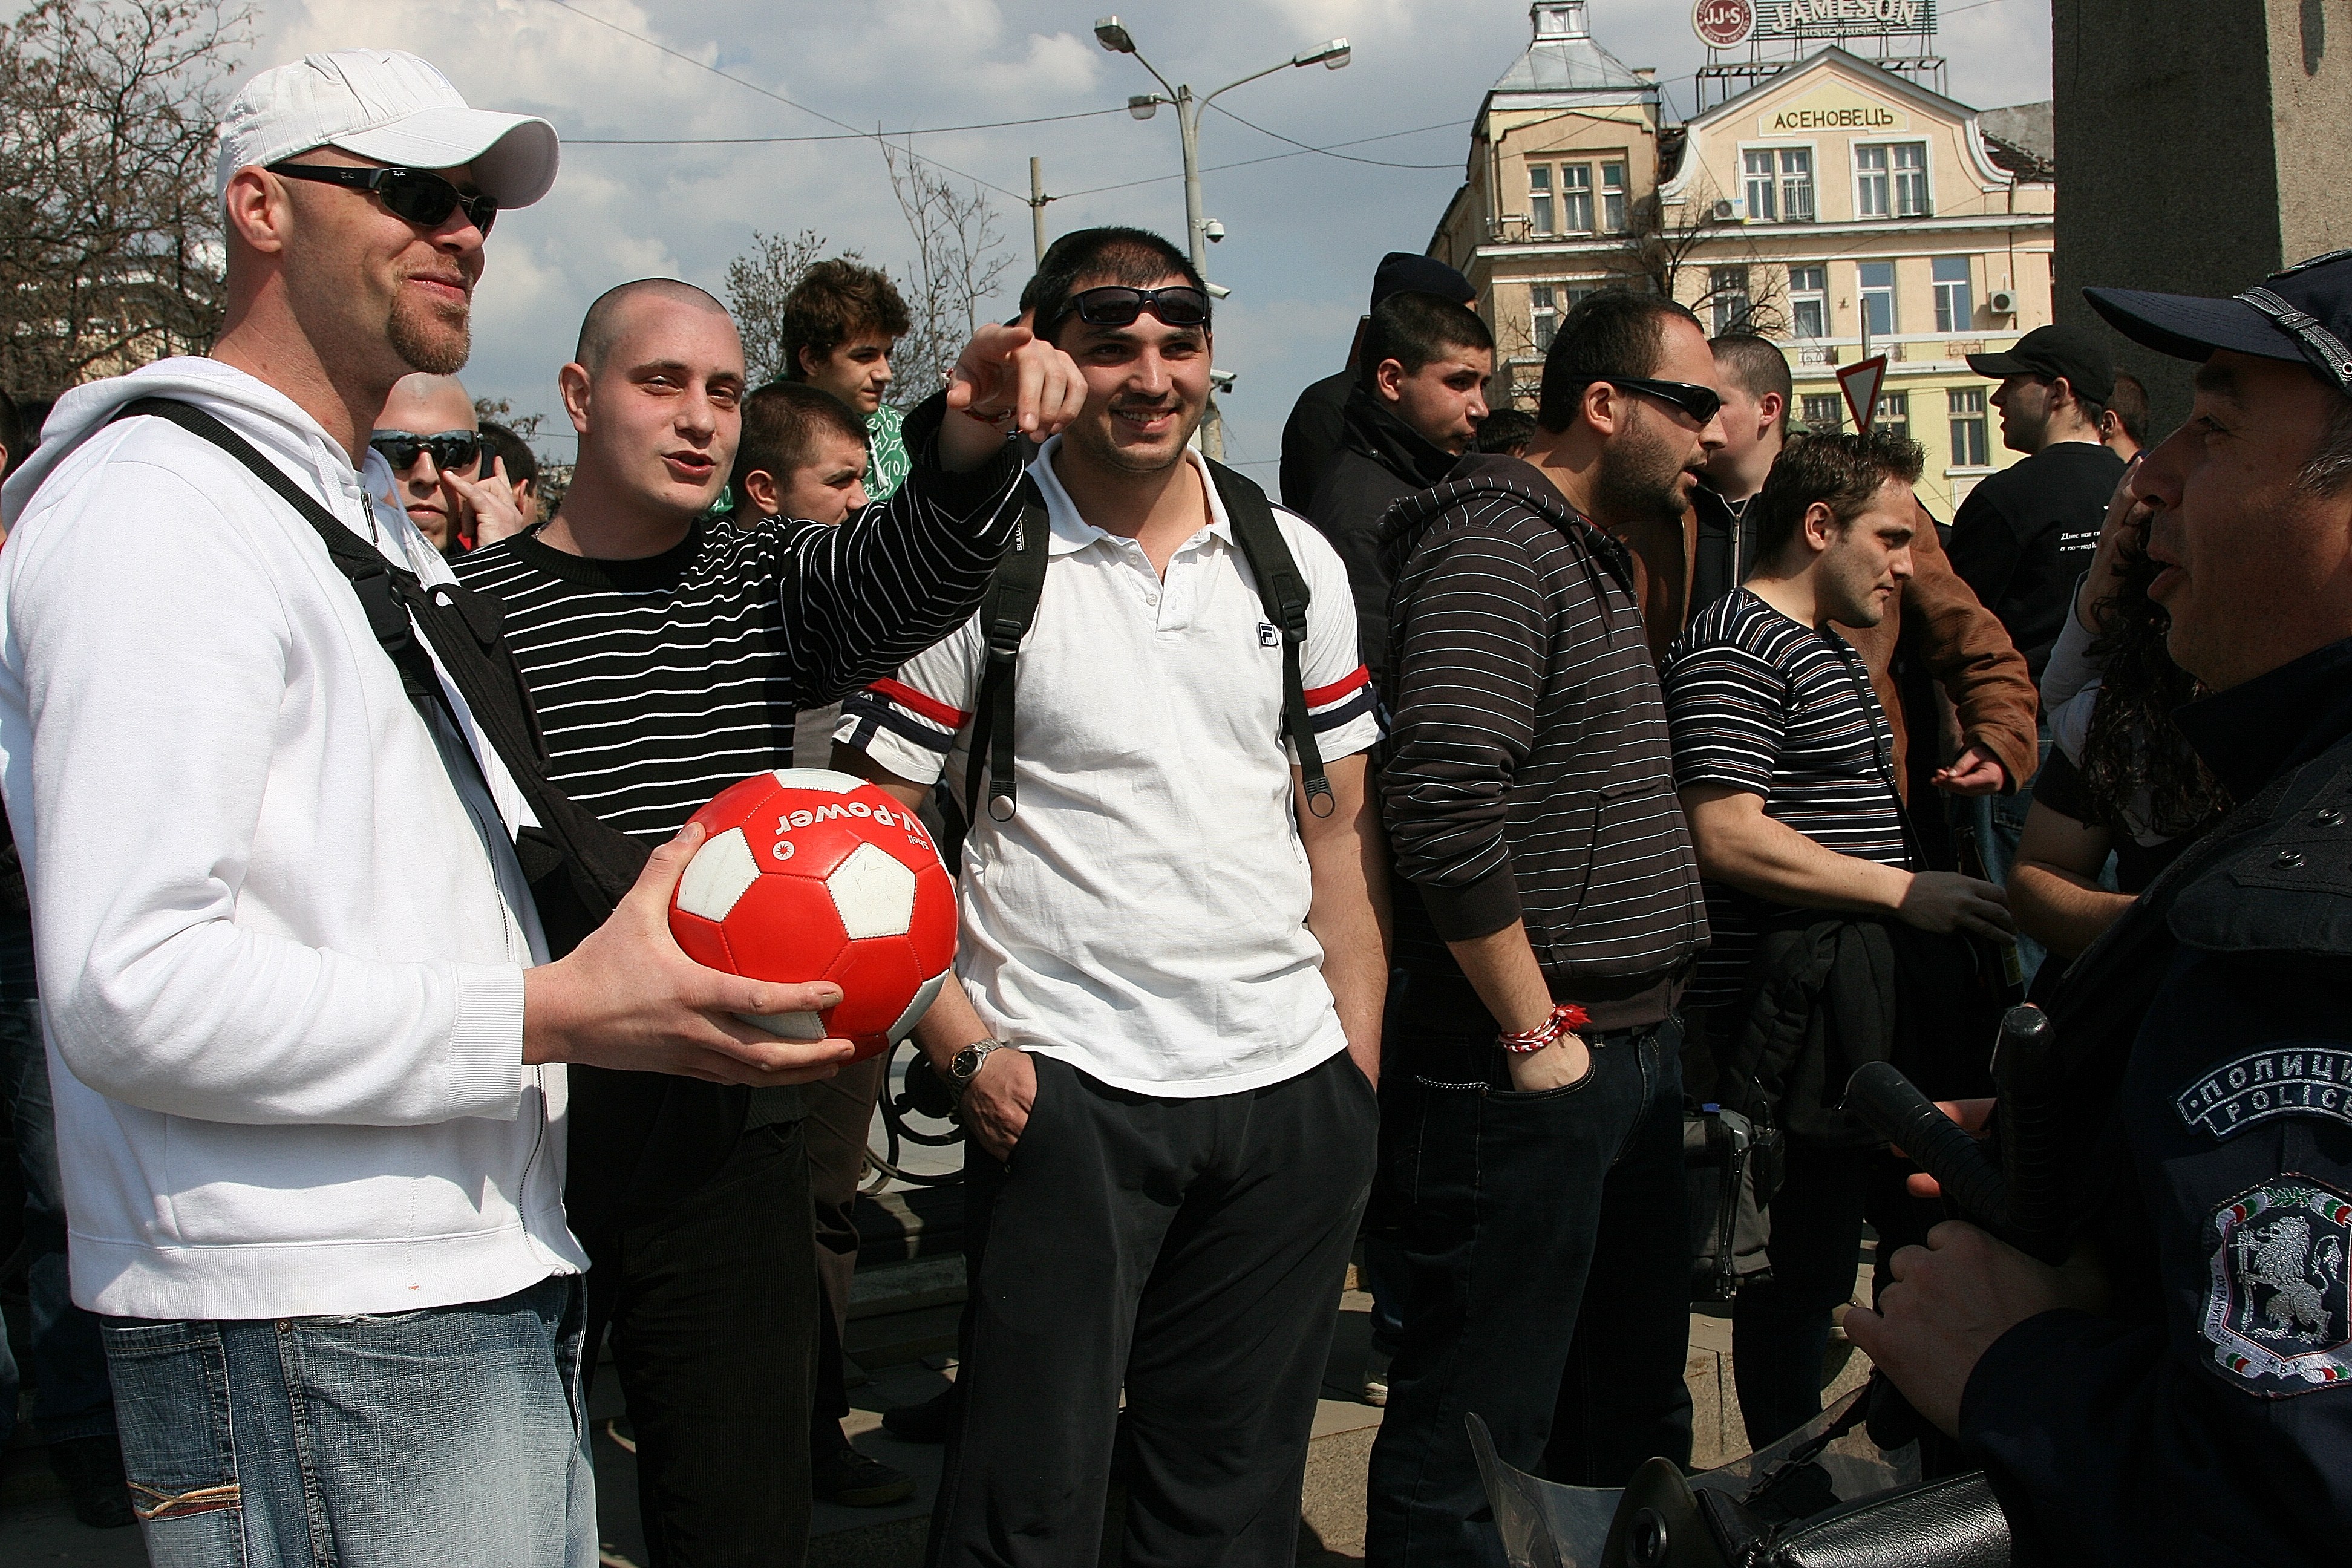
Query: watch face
{"type": "Point", "coordinates": [967, 1061]}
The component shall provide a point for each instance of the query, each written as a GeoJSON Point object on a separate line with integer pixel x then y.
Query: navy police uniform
{"type": "Point", "coordinates": [2205, 1416]}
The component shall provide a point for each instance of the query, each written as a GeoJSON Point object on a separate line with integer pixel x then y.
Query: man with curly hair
{"type": "Point", "coordinates": [842, 323]}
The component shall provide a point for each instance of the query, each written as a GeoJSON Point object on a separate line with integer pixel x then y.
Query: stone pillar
{"type": "Point", "coordinates": [2200, 144]}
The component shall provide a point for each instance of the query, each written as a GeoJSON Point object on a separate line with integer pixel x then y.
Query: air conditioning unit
{"type": "Point", "coordinates": [2002, 303]}
{"type": "Point", "coordinates": [1726, 210]}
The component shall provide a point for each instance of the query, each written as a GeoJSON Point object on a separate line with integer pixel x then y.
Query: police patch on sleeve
{"type": "Point", "coordinates": [2277, 1307]}
{"type": "Point", "coordinates": [2303, 1078]}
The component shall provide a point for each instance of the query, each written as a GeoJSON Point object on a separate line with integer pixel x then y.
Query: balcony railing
{"type": "Point", "coordinates": [1809, 354]}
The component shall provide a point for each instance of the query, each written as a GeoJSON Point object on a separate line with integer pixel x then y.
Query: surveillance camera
{"type": "Point", "coordinates": [1222, 380]}
{"type": "Point", "coordinates": [1214, 230]}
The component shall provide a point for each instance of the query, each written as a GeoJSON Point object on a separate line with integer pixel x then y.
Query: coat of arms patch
{"type": "Point", "coordinates": [2278, 1308]}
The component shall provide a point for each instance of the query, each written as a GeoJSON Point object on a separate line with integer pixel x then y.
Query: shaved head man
{"type": "Point", "coordinates": [447, 479]}
{"type": "Point", "coordinates": [668, 650]}
{"type": "Point", "coordinates": [655, 391]}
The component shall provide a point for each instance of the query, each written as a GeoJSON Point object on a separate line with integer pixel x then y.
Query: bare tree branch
{"type": "Point", "coordinates": [1659, 256]}
{"type": "Point", "coordinates": [111, 246]}
{"type": "Point", "coordinates": [958, 260]}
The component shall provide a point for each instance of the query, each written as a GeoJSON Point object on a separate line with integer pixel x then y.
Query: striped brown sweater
{"type": "Point", "coordinates": [1528, 773]}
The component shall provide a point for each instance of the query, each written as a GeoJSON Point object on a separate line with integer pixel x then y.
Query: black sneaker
{"type": "Point", "coordinates": [926, 1423]}
{"type": "Point", "coordinates": [845, 1475]}
{"type": "Point", "coordinates": [91, 1469]}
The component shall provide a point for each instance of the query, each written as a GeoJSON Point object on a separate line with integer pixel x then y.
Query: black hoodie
{"type": "Point", "coordinates": [1381, 460]}
{"type": "Point", "coordinates": [1528, 775]}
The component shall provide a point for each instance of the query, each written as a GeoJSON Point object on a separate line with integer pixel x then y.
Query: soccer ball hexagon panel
{"type": "Point", "coordinates": [812, 874]}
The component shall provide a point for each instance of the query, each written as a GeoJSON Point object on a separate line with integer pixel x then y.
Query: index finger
{"type": "Point", "coordinates": [1030, 397]}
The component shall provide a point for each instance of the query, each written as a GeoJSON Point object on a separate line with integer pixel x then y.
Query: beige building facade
{"type": "Point", "coordinates": [1833, 205]}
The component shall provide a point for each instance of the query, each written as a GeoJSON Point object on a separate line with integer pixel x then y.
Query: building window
{"type": "Point", "coordinates": [1968, 407]}
{"type": "Point", "coordinates": [1543, 315]}
{"type": "Point", "coordinates": [1910, 179]}
{"type": "Point", "coordinates": [1878, 299]}
{"type": "Point", "coordinates": [1825, 411]}
{"type": "Point", "coordinates": [1612, 197]}
{"type": "Point", "coordinates": [1809, 301]}
{"type": "Point", "coordinates": [1955, 307]}
{"type": "Point", "coordinates": [1762, 208]}
{"type": "Point", "coordinates": [1893, 414]}
{"type": "Point", "coordinates": [1540, 198]}
{"type": "Point", "coordinates": [1780, 185]}
{"type": "Point", "coordinates": [1797, 185]}
{"type": "Point", "coordinates": [1726, 287]}
{"type": "Point", "coordinates": [1871, 182]}
{"type": "Point", "coordinates": [1576, 198]}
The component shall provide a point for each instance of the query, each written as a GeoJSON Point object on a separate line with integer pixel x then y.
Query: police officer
{"type": "Point", "coordinates": [2181, 1392]}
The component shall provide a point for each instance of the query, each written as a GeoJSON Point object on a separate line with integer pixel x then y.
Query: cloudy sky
{"type": "Point", "coordinates": [1304, 231]}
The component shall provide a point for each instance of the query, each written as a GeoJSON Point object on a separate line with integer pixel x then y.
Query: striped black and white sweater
{"type": "Point", "coordinates": [661, 681]}
{"type": "Point", "coordinates": [1528, 775]}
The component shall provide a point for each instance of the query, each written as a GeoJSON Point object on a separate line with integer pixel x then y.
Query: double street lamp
{"type": "Point", "coordinates": [1199, 232]}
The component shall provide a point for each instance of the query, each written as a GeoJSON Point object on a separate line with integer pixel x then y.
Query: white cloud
{"type": "Point", "coordinates": [1305, 232]}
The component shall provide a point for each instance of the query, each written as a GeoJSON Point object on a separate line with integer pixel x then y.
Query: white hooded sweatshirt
{"type": "Point", "coordinates": [279, 926]}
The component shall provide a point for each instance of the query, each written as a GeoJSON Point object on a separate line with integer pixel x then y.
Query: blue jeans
{"type": "Point", "coordinates": [68, 1362]}
{"type": "Point", "coordinates": [1548, 1239]}
{"type": "Point", "coordinates": [452, 1434]}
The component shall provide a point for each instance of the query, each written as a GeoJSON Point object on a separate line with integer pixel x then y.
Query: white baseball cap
{"type": "Point", "coordinates": [389, 106]}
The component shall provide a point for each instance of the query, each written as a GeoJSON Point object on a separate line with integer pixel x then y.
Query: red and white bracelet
{"type": "Point", "coordinates": [1566, 1019]}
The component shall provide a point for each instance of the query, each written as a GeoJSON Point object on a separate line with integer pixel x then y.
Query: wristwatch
{"type": "Point", "coordinates": [964, 1065]}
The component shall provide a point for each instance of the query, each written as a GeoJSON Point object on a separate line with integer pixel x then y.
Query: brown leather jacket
{"type": "Point", "coordinates": [1960, 642]}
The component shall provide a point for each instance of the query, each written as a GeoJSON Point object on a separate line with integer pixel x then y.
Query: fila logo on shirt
{"type": "Point", "coordinates": [1268, 634]}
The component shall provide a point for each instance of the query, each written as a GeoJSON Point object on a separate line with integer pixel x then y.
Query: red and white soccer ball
{"type": "Point", "coordinates": [810, 875]}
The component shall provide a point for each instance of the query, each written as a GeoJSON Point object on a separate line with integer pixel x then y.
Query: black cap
{"type": "Point", "coordinates": [1401, 272]}
{"type": "Point", "coordinates": [2076, 353]}
{"type": "Point", "coordinates": [2302, 315]}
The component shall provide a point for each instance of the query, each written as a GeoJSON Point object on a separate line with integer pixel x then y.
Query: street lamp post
{"type": "Point", "coordinates": [1201, 232]}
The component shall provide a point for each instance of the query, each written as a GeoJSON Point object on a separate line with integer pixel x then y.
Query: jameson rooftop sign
{"type": "Point", "coordinates": [1842, 19]}
{"type": "Point", "coordinates": [1727, 24]}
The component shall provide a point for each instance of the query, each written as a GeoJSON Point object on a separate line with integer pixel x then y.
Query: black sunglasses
{"type": "Point", "coordinates": [454, 451]}
{"type": "Point", "coordinates": [1701, 403]}
{"type": "Point", "coordinates": [419, 195]}
{"type": "Point", "coordinates": [1118, 306]}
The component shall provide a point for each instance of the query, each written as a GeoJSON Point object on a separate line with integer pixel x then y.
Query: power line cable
{"type": "Point", "coordinates": [831, 136]}
{"type": "Point", "coordinates": [1344, 157]}
{"type": "Point", "coordinates": [567, 7]}
{"type": "Point", "coordinates": [1273, 158]}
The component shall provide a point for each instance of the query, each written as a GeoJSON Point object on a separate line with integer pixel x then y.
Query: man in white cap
{"type": "Point", "coordinates": [307, 1050]}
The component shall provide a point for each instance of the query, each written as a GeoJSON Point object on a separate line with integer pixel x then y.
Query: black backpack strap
{"type": "Point", "coordinates": [463, 628]}
{"type": "Point", "coordinates": [1007, 613]}
{"type": "Point", "coordinates": [1284, 593]}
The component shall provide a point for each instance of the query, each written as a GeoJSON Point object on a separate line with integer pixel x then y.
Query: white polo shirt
{"type": "Point", "coordinates": [1143, 915]}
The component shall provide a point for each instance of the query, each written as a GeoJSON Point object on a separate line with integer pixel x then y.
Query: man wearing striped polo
{"type": "Point", "coordinates": [1786, 766]}
{"type": "Point", "coordinates": [667, 652]}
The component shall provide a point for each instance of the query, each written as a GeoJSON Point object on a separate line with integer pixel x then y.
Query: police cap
{"type": "Point", "coordinates": [2303, 314]}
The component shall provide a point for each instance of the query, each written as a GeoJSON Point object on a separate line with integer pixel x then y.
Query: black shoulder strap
{"type": "Point", "coordinates": [464, 628]}
{"type": "Point", "coordinates": [1007, 613]}
{"type": "Point", "coordinates": [1284, 593]}
{"type": "Point", "coordinates": [1010, 609]}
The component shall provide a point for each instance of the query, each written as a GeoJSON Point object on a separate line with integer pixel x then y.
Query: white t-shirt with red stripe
{"type": "Point", "coordinates": [1143, 915]}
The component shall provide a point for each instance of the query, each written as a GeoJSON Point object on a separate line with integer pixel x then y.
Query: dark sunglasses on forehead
{"type": "Point", "coordinates": [1118, 306]}
{"type": "Point", "coordinates": [454, 451]}
{"type": "Point", "coordinates": [1701, 403]}
{"type": "Point", "coordinates": [419, 195]}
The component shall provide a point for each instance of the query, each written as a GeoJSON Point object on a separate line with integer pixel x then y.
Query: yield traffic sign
{"type": "Point", "coordinates": [1859, 382]}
